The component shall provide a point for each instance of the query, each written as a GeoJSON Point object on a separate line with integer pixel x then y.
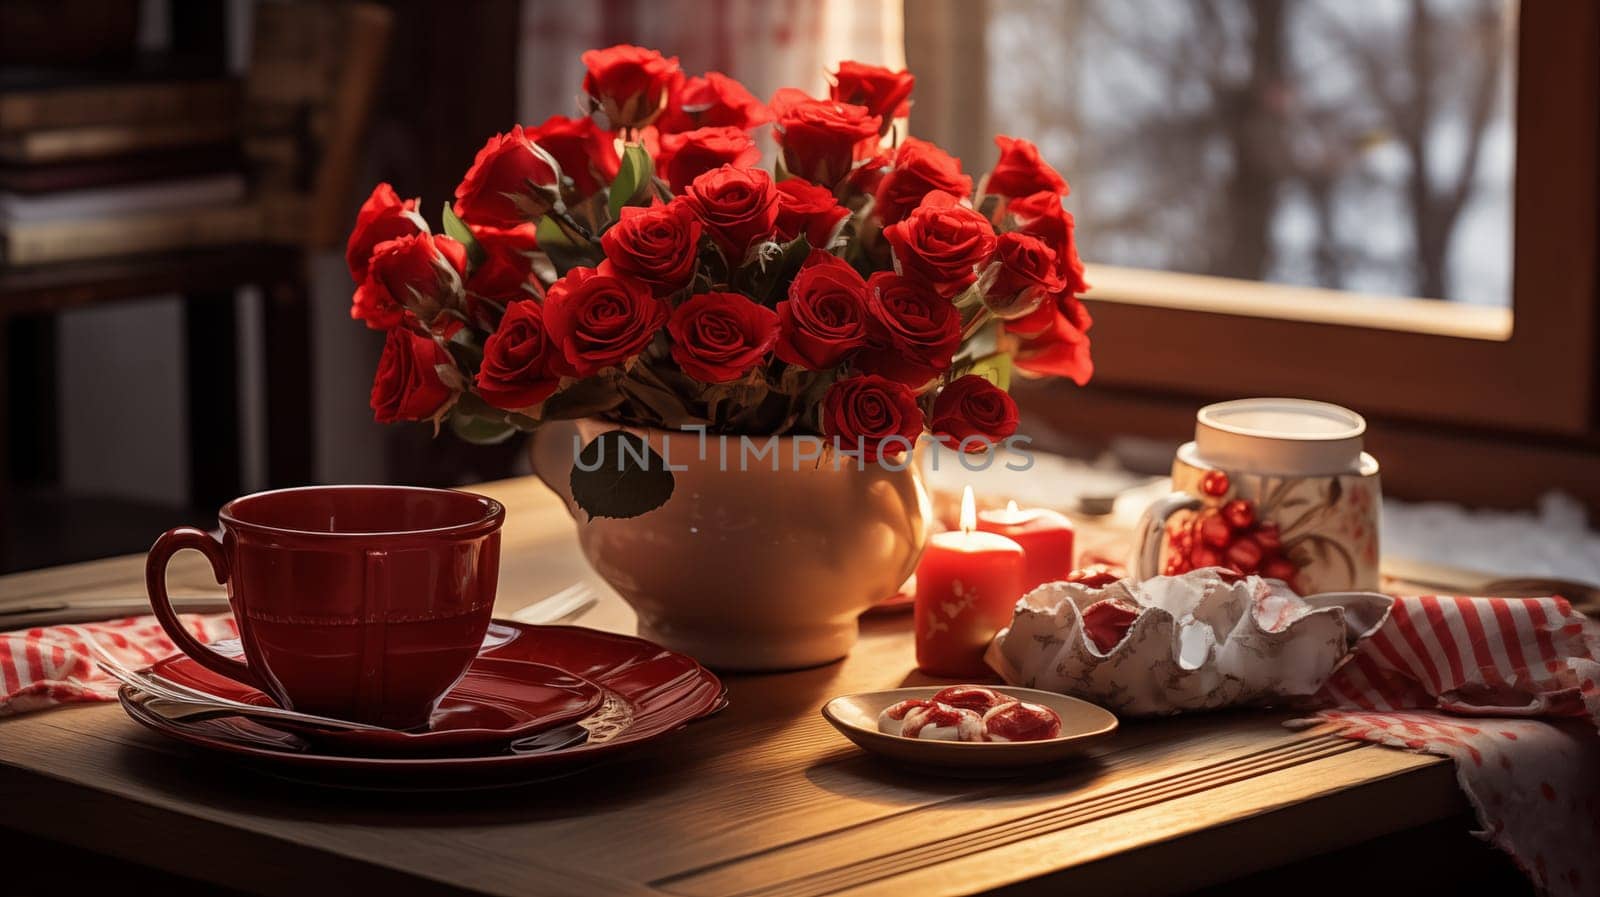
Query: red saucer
{"type": "Point", "coordinates": [497, 701]}
{"type": "Point", "coordinates": [649, 692]}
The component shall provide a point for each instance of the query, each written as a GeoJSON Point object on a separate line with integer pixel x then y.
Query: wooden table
{"type": "Point", "coordinates": [764, 799]}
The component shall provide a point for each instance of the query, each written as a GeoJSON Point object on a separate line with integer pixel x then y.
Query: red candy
{"type": "Point", "coordinates": [970, 713]}
{"type": "Point", "coordinates": [1239, 513]}
{"type": "Point", "coordinates": [1244, 555]}
{"type": "Point", "coordinates": [1018, 721]}
{"type": "Point", "coordinates": [1214, 483]}
{"type": "Point", "coordinates": [933, 715]}
{"type": "Point", "coordinates": [1106, 622]}
{"type": "Point", "coordinates": [1214, 530]}
{"type": "Point", "coordinates": [976, 698]}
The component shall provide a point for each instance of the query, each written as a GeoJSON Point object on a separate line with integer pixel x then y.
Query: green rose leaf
{"type": "Point", "coordinates": [995, 368]}
{"type": "Point", "coordinates": [633, 183]}
{"type": "Point", "coordinates": [618, 474]}
{"type": "Point", "coordinates": [564, 252]}
{"type": "Point", "coordinates": [457, 230]}
{"type": "Point", "coordinates": [480, 430]}
{"type": "Point", "coordinates": [588, 397]}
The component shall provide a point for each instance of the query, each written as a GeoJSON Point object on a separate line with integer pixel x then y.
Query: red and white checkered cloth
{"type": "Point", "coordinates": [1464, 678]}
{"type": "Point", "coordinates": [51, 665]}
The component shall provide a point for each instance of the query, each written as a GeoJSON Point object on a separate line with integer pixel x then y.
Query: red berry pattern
{"type": "Point", "coordinates": [1227, 534]}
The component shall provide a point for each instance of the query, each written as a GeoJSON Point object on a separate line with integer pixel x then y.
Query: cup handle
{"type": "Point", "coordinates": [1151, 527]}
{"type": "Point", "coordinates": [155, 579]}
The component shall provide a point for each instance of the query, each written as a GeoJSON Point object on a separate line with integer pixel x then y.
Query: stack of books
{"type": "Point", "coordinates": [96, 164]}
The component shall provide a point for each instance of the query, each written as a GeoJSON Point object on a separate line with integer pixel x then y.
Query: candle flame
{"type": "Point", "coordinates": [969, 511]}
{"type": "Point", "coordinates": [1011, 507]}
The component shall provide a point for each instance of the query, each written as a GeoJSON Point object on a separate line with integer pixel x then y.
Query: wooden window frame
{"type": "Point", "coordinates": [1393, 359]}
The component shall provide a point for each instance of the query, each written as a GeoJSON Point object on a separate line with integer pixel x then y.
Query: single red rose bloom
{"type": "Point", "coordinates": [657, 246]}
{"type": "Point", "coordinates": [825, 317]}
{"type": "Point", "coordinates": [419, 273]}
{"type": "Point", "coordinates": [919, 168]}
{"type": "Point", "coordinates": [585, 153]}
{"type": "Point", "coordinates": [1024, 276]}
{"type": "Point", "coordinates": [1041, 215]}
{"type": "Point", "coordinates": [720, 337]}
{"type": "Point", "coordinates": [915, 331]}
{"type": "Point", "coordinates": [738, 206]}
{"type": "Point", "coordinates": [805, 208]}
{"type": "Point", "coordinates": [629, 84]}
{"type": "Point", "coordinates": [1021, 172]}
{"type": "Point", "coordinates": [713, 100]}
{"type": "Point", "coordinates": [507, 262]}
{"type": "Point", "coordinates": [1054, 339]}
{"type": "Point", "coordinates": [941, 243]}
{"type": "Point", "coordinates": [507, 185]}
{"type": "Point", "coordinates": [518, 369]}
{"type": "Point", "coordinates": [688, 155]}
{"type": "Point", "coordinates": [600, 320]}
{"type": "Point", "coordinates": [974, 411]}
{"type": "Point", "coordinates": [871, 414]}
{"type": "Point", "coordinates": [407, 385]}
{"type": "Point", "coordinates": [822, 139]}
{"type": "Point", "coordinates": [383, 217]}
{"type": "Point", "coordinates": [884, 92]}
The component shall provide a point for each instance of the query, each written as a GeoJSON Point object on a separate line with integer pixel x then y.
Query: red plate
{"type": "Point", "coordinates": [499, 700]}
{"type": "Point", "coordinates": [648, 692]}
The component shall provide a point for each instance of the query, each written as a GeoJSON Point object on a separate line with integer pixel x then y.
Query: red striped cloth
{"type": "Point", "coordinates": [52, 665]}
{"type": "Point", "coordinates": [1466, 678]}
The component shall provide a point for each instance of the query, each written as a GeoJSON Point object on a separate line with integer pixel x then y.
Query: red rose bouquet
{"type": "Point", "coordinates": [637, 264]}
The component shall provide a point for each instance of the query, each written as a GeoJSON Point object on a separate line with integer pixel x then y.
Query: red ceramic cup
{"type": "Point", "coordinates": [364, 603]}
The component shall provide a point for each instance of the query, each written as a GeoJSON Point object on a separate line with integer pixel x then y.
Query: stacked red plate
{"type": "Point", "coordinates": [539, 701]}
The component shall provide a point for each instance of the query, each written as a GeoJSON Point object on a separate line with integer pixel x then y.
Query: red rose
{"type": "Point", "coordinates": [1041, 215]}
{"type": "Point", "coordinates": [822, 139]}
{"type": "Point", "coordinates": [720, 337]}
{"type": "Point", "coordinates": [1020, 171]}
{"type": "Point", "coordinates": [690, 154]}
{"type": "Point", "coordinates": [739, 207]}
{"type": "Point", "coordinates": [872, 415]}
{"type": "Point", "coordinates": [883, 92]}
{"type": "Point", "coordinates": [919, 168]}
{"type": "Point", "coordinates": [518, 368]}
{"type": "Point", "coordinates": [629, 84]}
{"type": "Point", "coordinates": [805, 208]}
{"type": "Point", "coordinates": [382, 217]}
{"type": "Point", "coordinates": [1054, 339]}
{"type": "Point", "coordinates": [712, 101]}
{"type": "Point", "coordinates": [586, 154]}
{"type": "Point", "coordinates": [508, 183]}
{"type": "Point", "coordinates": [1025, 274]}
{"type": "Point", "coordinates": [941, 243]}
{"type": "Point", "coordinates": [972, 408]}
{"type": "Point", "coordinates": [869, 174]}
{"type": "Point", "coordinates": [407, 386]}
{"type": "Point", "coordinates": [419, 273]}
{"type": "Point", "coordinates": [507, 261]}
{"type": "Point", "coordinates": [657, 246]}
{"type": "Point", "coordinates": [915, 331]}
{"type": "Point", "coordinates": [600, 320]}
{"type": "Point", "coordinates": [825, 317]}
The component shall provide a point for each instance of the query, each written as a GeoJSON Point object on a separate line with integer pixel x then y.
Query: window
{"type": "Point", "coordinates": [1247, 176]}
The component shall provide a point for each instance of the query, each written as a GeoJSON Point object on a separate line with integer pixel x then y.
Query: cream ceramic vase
{"type": "Point", "coordinates": [746, 567]}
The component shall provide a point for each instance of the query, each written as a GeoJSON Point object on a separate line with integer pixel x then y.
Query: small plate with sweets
{"type": "Point", "coordinates": [970, 729]}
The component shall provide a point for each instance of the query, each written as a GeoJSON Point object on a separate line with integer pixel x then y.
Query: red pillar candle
{"type": "Point", "coordinates": [968, 582]}
{"type": "Point", "coordinates": [1045, 537]}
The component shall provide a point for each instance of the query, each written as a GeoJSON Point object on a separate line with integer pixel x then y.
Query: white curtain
{"type": "Point", "coordinates": [765, 45]}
